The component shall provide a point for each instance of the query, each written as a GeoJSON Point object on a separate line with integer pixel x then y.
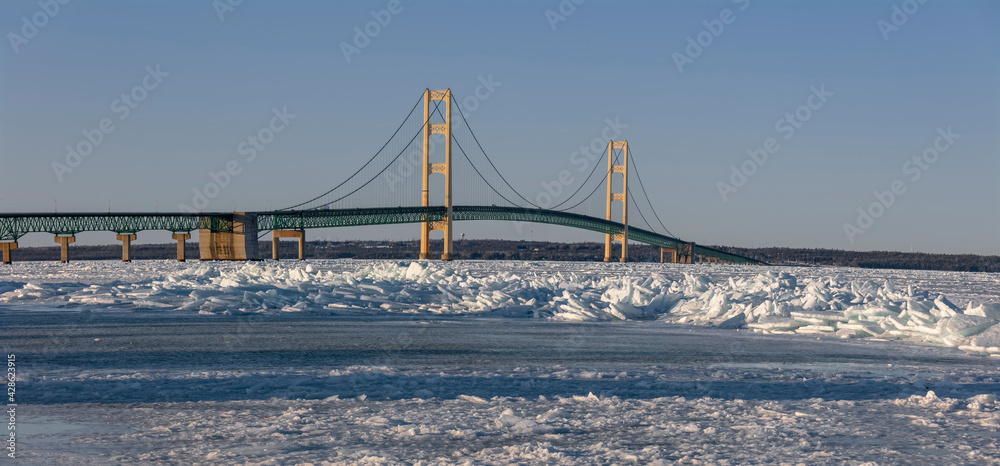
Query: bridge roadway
{"type": "Point", "coordinates": [14, 226]}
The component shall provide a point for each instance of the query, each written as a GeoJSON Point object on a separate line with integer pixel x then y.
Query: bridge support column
{"type": "Point", "coordinates": [126, 240]}
{"type": "Point", "coordinates": [64, 242]}
{"type": "Point", "coordinates": [428, 168]}
{"type": "Point", "coordinates": [672, 252]}
{"type": "Point", "coordinates": [181, 238]}
{"type": "Point", "coordinates": [300, 234]}
{"type": "Point", "coordinates": [239, 244]}
{"type": "Point", "coordinates": [613, 196]}
{"type": "Point", "coordinates": [6, 246]}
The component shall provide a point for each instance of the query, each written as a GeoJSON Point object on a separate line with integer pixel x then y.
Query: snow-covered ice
{"type": "Point", "coordinates": [496, 362]}
{"type": "Point", "coordinates": [848, 303]}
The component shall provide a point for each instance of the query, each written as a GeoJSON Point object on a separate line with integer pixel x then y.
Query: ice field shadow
{"type": "Point", "coordinates": [74, 358]}
{"type": "Point", "coordinates": [375, 386]}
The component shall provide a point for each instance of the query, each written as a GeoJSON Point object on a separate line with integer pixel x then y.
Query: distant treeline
{"type": "Point", "coordinates": [536, 250]}
{"type": "Point", "coordinates": [872, 259]}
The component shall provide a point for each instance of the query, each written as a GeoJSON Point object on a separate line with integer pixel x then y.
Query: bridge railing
{"type": "Point", "coordinates": [522, 214]}
{"type": "Point", "coordinates": [585, 222]}
{"type": "Point", "coordinates": [14, 226]}
{"type": "Point", "coordinates": [328, 218]}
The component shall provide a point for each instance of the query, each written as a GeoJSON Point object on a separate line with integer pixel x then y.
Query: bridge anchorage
{"type": "Point", "coordinates": [361, 200]}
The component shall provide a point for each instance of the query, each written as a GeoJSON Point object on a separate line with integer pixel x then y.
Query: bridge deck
{"type": "Point", "coordinates": [14, 226]}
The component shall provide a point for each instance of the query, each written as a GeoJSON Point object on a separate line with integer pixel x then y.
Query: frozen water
{"type": "Point", "coordinates": [354, 362]}
{"type": "Point", "coordinates": [847, 303]}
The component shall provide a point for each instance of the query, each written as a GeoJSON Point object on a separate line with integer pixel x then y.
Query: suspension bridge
{"type": "Point", "coordinates": [395, 186]}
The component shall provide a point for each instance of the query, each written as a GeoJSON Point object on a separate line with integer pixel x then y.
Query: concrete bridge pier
{"type": "Point", "coordinates": [300, 234]}
{"type": "Point", "coordinates": [671, 251]}
{"type": "Point", "coordinates": [64, 242]}
{"type": "Point", "coordinates": [239, 244]}
{"type": "Point", "coordinates": [6, 247]}
{"type": "Point", "coordinates": [126, 240]}
{"type": "Point", "coordinates": [181, 238]}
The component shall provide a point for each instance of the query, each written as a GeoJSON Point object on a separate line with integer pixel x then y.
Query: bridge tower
{"type": "Point", "coordinates": [427, 168]}
{"type": "Point", "coordinates": [613, 196]}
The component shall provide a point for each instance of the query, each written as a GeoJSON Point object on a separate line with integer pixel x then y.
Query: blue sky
{"type": "Point", "coordinates": [891, 93]}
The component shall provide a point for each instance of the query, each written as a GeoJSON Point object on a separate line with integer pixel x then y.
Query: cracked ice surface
{"type": "Point", "coordinates": [385, 362]}
{"type": "Point", "coordinates": [848, 303]}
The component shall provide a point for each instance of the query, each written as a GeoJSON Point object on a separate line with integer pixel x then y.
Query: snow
{"type": "Point", "coordinates": [374, 362]}
{"type": "Point", "coordinates": [842, 302]}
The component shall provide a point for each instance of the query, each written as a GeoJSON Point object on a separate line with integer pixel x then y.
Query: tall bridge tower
{"type": "Point", "coordinates": [427, 168]}
{"type": "Point", "coordinates": [613, 196]}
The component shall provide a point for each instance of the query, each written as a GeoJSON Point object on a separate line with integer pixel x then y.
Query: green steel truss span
{"type": "Point", "coordinates": [298, 220]}
{"type": "Point", "coordinates": [589, 223]}
{"type": "Point", "coordinates": [14, 226]}
{"type": "Point", "coordinates": [326, 218]}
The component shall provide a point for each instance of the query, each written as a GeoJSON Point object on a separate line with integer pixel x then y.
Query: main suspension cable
{"type": "Point", "coordinates": [606, 176]}
{"type": "Point", "coordinates": [366, 163]}
{"type": "Point", "coordinates": [643, 188]}
{"type": "Point", "coordinates": [592, 171]}
{"type": "Point", "coordinates": [491, 161]}
{"type": "Point", "coordinates": [453, 138]}
{"type": "Point", "coordinates": [407, 145]}
{"type": "Point", "coordinates": [637, 209]}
